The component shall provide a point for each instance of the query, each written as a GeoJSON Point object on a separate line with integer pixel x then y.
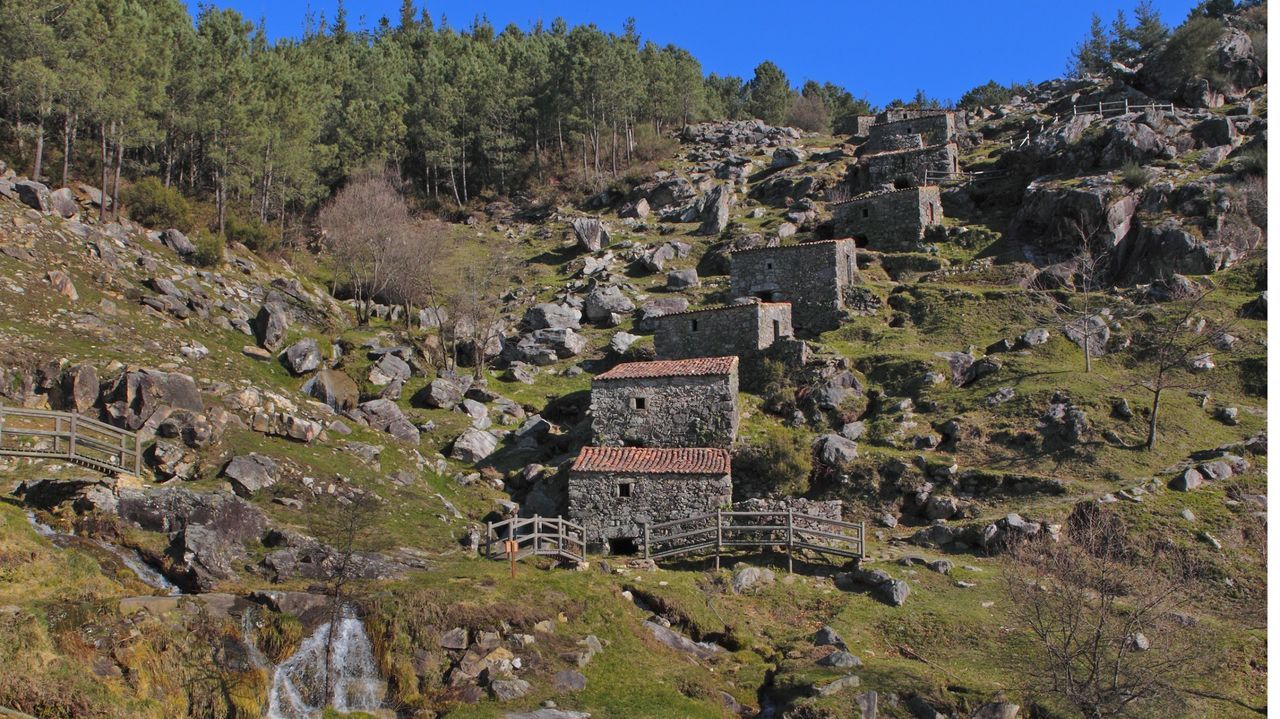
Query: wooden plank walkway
{"type": "Point", "coordinates": [716, 531]}
{"type": "Point", "coordinates": [70, 436]}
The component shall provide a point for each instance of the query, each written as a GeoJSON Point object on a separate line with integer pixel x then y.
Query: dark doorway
{"type": "Point", "coordinates": [623, 546]}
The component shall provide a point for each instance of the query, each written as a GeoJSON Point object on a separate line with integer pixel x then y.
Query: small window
{"type": "Point", "coordinates": [639, 403]}
{"type": "Point", "coordinates": [693, 325]}
{"type": "Point", "coordinates": [777, 329]}
{"type": "Point", "coordinates": [768, 265]}
{"type": "Point", "coordinates": [624, 489]}
{"type": "Point", "coordinates": [866, 212]}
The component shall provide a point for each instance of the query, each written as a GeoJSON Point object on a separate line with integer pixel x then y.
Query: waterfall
{"type": "Point", "coordinates": [298, 686]}
{"type": "Point", "coordinates": [130, 558]}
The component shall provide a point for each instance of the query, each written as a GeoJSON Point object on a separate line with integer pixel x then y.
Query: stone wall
{"type": "Point", "coordinates": [905, 168]}
{"type": "Point", "coordinates": [892, 221]}
{"type": "Point", "coordinates": [812, 276]}
{"type": "Point", "coordinates": [595, 503]}
{"type": "Point", "coordinates": [740, 330]}
{"type": "Point", "coordinates": [959, 118]}
{"type": "Point", "coordinates": [862, 125]}
{"type": "Point", "coordinates": [685, 411]}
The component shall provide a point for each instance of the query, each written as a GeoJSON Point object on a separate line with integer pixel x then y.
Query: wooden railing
{"type": "Point", "coordinates": [939, 177]}
{"type": "Point", "coordinates": [718, 530]}
{"type": "Point", "coordinates": [69, 436]}
{"type": "Point", "coordinates": [1117, 107]}
{"type": "Point", "coordinates": [536, 536]}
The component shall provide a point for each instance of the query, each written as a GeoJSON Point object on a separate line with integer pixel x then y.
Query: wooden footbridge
{"type": "Point", "coordinates": [69, 436]}
{"type": "Point", "coordinates": [712, 532]}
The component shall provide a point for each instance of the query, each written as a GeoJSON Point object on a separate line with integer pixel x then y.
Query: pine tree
{"type": "Point", "coordinates": [768, 94]}
{"type": "Point", "coordinates": [1092, 55]}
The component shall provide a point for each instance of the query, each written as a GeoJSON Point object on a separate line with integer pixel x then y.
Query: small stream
{"type": "Point", "coordinates": [130, 558]}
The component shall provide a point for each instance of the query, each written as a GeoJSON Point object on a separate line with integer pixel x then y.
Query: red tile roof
{"type": "Point", "coordinates": [723, 308]}
{"type": "Point", "coordinates": [796, 246]}
{"type": "Point", "coordinates": [696, 367]}
{"type": "Point", "coordinates": [652, 460]}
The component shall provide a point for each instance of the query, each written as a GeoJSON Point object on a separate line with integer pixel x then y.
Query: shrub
{"type": "Point", "coordinates": [154, 205]}
{"type": "Point", "coordinates": [1254, 162]}
{"type": "Point", "coordinates": [1134, 175]}
{"type": "Point", "coordinates": [780, 461]}
{"type": "Point", "coordinates": [651, 146]}
{"type": "Point", "coordinates": [209, 250]}
{"type": "Point", "coordinates": [259, 237]}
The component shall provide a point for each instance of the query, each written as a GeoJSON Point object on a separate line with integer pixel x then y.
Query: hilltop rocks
{"type": "Point", "coordinates": [388, 369]}
{"type": "Point", "coordinates": [679, 280]}
{"type": "Point", "coordinates": [63, 203]}
{"type": "Point", "coordinates": [784, 157]}
{"type": "Point", "coordinates": [443, 392]}
{"type": "Point", "coordinates": [77, 389]}
{"type": "Point", "coordinates": [546, 346]}
{"type": "Point", "coordinates": [251, 473]}
{"type": "Point", "coordinates": [302, 357]}
{"type": "Point", "coordinates": [590, 233]}
{"type": "Point", "coordinates": [836, 451]}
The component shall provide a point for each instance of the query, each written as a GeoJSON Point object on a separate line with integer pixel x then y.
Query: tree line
{"type": "Point", "coordinates": [210, 106]}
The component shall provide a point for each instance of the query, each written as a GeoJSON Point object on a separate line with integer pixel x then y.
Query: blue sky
{"type": "Point", "coordinates": [877, 49]}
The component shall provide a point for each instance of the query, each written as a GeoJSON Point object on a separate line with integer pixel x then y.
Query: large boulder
{"type": "Point", "coordinates": [302, 357]}
{"type": "Point", "coordinates": [443, 392]}
{"type": "Point", "coordinates": [714, 216]}
{"type": "Point", "coordinates": [33, 194]}
{"type": "Point", "coordinates": [786, 157]}
{"type": "Point", "coordinates": [473, 445]}
{"type": "Point", "coordinates": [145, 397]}
{"type": "Point", "coordinates": [544, 347]}
{"type": "Point", "coordinates": [270, 325]}
{"type": "Point", "coordinates": [678, 280]}
{"type": "Point", "coordinates": [78, 389]}
{"type": "Point", "coordinates": [836, 451]}
{"type": "Point", "coordinates": [335, 388]}
{"type": "Point", "coordinates": [389, 368]}
{"type": "Point", "coordinates": [63, 202]}
{"type": "Point", "coordinates": [385, 416]}
{"type": "Point", "coordinates": [590, 233]}
{"type": "Point", "coordinates": [175, 240]}
{"type": "Point", "coordinates": [251, 473]}
{"type": "Point", "coordinates": [605, 302]}
{"type": "Point", "coordinates": [552, 316]}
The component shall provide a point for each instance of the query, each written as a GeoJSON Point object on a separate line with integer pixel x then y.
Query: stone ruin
{"type": "Point", "coordinates": [741, 330]}
{"type": "Point", "coordinates": [902, 146]}
{"type": "Point", "coordinates": [815, 277]}
{"type": "Point", "coordinates": [890, 220]}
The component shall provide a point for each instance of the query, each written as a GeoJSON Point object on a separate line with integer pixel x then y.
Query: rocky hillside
{"type": "Point", "coordinates": [305, 472]}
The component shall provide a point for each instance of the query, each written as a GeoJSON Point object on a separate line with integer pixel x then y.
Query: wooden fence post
{"type": "Point", "coordinates": [719, 538]}
{"type": "Point", "coordinates": [488, 539]}
{"type": "Point", "coordinates": [646, 540]}
{"type": "Point", "coordinates": [790, 540]}
{"type": "Point", "coordinates": [71, 440]}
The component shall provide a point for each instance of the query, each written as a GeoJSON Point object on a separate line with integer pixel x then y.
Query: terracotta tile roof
{"type": "Point", "coordinates": [653, 460]}
{"type": "Point", "coordinates": [722, 308]}
{"type": "Point", "coordinates": [796, 246]}
{"type": "Point", "coordinates": [696, 367]}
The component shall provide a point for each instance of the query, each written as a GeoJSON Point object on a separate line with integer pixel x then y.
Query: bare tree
{"type": "Point", "coordinates": [476, 303]}
{"type": "Point", "coordinates": [366, 227]}
{"type": "Point", "coordinates": [1103, 613]}
{"type": "Point", "coordinates": [1174, 345]}
{"type": "Point", "coordinates": [348, 527]}
{"type": "Point", "coordinates": [1077, 313]}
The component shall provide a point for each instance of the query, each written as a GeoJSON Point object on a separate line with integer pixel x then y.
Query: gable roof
{"type": "Point", "coordinates": [753, 304]}
{"type": "Point", "coordinates": [695, 367]}
{"type": "Point", "coordinates": [653, 460]}
{"type": "Point", "coordinates": [796, 246]}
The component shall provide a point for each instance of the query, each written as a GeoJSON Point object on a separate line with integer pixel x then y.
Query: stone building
{"type": "Point", "coordinates": [615, 491]}
{"type": "Point", "coordinates": [814, 277]}
{"type": "Point", "coordinates": [891, 220]}
{"type": "Point", "coordinates": [668, 403]}
{"type": "Point", "coordinates": [902, 168]}
{"type": "Point", "coordinates": [910, 132]}
{"type": "Point", "coordinates": [740, 330]}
